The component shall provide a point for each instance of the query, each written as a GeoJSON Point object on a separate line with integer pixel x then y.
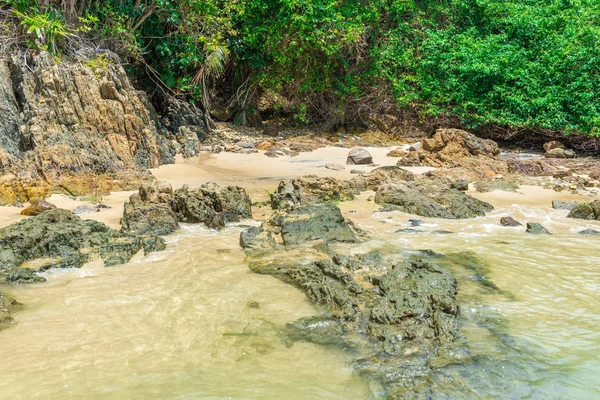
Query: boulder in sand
{"type": "Point", "coordinates": [37, 207]}
{"type": "Point", "coordinates": [359, 156]}
{"type": "Point", "coordinates": [535, 228]}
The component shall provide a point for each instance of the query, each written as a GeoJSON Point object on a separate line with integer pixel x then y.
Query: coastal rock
{"type": "Point", "coordinates": [535, 228]}
{"type": "Point", "coordinates": [255, 238]}
{"type": "Point", "coordinates": [532, 167]}
{"type": "Point", "coordinates": [586, 211]}
{"type": "Point", "coordinates": [396, 153]}
{"type": "Point", "coordinates": [73, 127]}
{"type": "Point", "coordinates": [6, 306]}
{"type": "Point", "coordinates": [212, 205]}
{"type": "Point", "coordinates": [185, 121]}
{"type": "Point", "coordinates": [553, 145]}
{"type": "Point", "coordinates": [379, 176]}
{"type": "Point", "coordinates": [63, 240]}
{"type": "Point", "coordinates": [411, 159]}
{"type": "Point", "coordinates": [315, 222]}
{"type": "Point", "coordinates": [589, 232]}
{"type": "Point", "coordinates": [85, 209]}
{"type": "Point", "coordinates": [37, 207]}
{"type": "Point", "coordinates": [506, 185]}
{"type": "Point", "coordinates": [560, 153]}
{"type": "Point", "coordinates": [149, 212]}
{"type": "Point", "coordinates": [564, 205]}
{"type": "Point", "coordinates": [430, 199]}
{"type": "Point", "coordinates": [595, 174]}
{"type": "Point", "coordinates": [310, 189]}
{"type": "Point", "coordinates": [509, 221]}
{"type": "Point", "coordinates": [461, 185]}
{"type": "Point", "coordinates": [335, 167]}
{"type": "Point", "coordinates": [359, 156]}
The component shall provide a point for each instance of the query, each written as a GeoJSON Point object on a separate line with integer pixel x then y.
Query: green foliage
{"type": "Point", "coordinates": [515, 63]}
{"type": "Point", "coordinates": [47, 30]}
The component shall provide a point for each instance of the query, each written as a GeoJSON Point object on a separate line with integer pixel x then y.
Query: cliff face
{"type": "Point", "coordinates": [73, 127]}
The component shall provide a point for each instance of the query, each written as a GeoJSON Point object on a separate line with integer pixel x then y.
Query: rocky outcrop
{"type": "Point", "coordinates": [564, 205]}
{"type": "Point", "coordinates": [454, 148]}
{"type": "Point", "coordinates": [156, 209]}
{"type": "Point", "coordinates": [379, 176]}
{"type": "Point", "coordinates": [315, 222]}
{"type": "Point", "coordinates": [150, 211]}
{"type": "Point", "coordinates": [185, 121]}
{"type": "Point", "coordinates": [586, 211]}
{"type": "Point", "coordinates": [75, 127]}
{"type": "Point", "coordinates": [536, 228]}
{"type": "Point", "coordinates": [256, 238]}
{"type": "Point", "coordinates": [310, 189]}
{"type": "Point", "coordinates": [429, 198]}
{"type": "Point", "coordinates": [556, 149]}
{"type": "Point", "coordinates": [59, 239]}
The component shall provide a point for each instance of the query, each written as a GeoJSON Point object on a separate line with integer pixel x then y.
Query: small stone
{"type": "Point", "coordinates": [355, 171]}
{"type": "Point", "coordinates": [563, 173]}
{"type": "Point", "coordinates": [535, 228]}
{"type": "Point", "coordinates": [335, 167]}
{"type": "Point", "coordinates": [253, 304]}
{"type": "Point", "coordinates": [359, 156]}
{"type": "Point", "coordinates": [415, 222]}
{"type": "Point", "coordinates": [37, 207]}
{"type": "Point", "coordinates": [509, 221]}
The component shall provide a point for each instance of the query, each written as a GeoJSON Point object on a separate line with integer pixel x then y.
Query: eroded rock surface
{"type": "Point", "coordinates": [310, 189]}
{"type": "Point", "coordinates": [73, 127]}
{"type": "Point", "coordinates": [586, 211]}
{"type": "Point", "coordinates": [59, 239]}
{"type": "Point", "coordinates": [429, 198]}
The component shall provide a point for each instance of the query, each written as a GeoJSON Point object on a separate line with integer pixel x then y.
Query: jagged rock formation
{"type": "Point", "coordinates": [310, 189]}
{"type": "Point", "coordinates": [586, 211]}
{"type": "Point", "coordinates": [59, 239]}
{"type": "Point", "coordinates": [156, 209]}
{"type": "Point", "coordinates": [75, 127]}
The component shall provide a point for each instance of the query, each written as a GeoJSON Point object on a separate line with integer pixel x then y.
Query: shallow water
{"type": "Point", "coordinates": [183, 324]}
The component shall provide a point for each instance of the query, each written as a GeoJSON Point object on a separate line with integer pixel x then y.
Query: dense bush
{"type": "Point", "coordinates": [513, 63]}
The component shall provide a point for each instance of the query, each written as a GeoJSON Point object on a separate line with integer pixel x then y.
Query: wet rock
{"type": "Point", "coordinates": [335, 167]}
{"type": "Point", "coordinates": [537, 229]}
{"type": "Point", "coordinates": [150, 211]}
{"type": "Point", "coordinates": [310, 189]}
{"type": "Point", "coordinates": [461, 185]}
{"type": "Point", "coordinates": [63, 240]}
{"type": "Point", "coordinates": [255, 238]}
{"type": "Point", "coordinates": [431, 199]}
{"type": "Point", "coordinates": [409, 230]}
{"type": "Point", "coordinates": [315, 222]}
{"type": "Point", "coordinates": [37, 207]}
{"type": "Point", "coordinates": [6, 307]}
{"type": "Point", "coordinates": [509, 221]}
{"type": "Point", "coordinates": [212, 205]}
{"type": "Point", "coordinates": [594, 174]}
{"type": "Point", "coordinates": [564, 205]}
{"type": "Point", "coordinates": [589, 232]}
{"type": "Point", "coordinates": [415, 222]}
{"type": "Point", "coordinates": [586, 211]}
{"type": "Point", "coordinates": [359, 156]}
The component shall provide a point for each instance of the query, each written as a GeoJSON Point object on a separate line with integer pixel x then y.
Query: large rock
{"type": "Point", "coordinates": [429, 198]}
{"type": "Point", "coordinates": [37, 207]}
{"type": "Point", "coordinates": [310, 189]}
{"type": "Point", "coordinates": [359, 156]}
{"type": "Point", "coordinates": [212, 205]}
{"type": "Point", "coordinates": [186, 123]}
{"type": "Point", "coordinates": [73, 127]}
{"type": "Point", "coordinates": [150, 211]}
{"type": "Point", "coordinates": [564, 205]}
{"type": "Point", "coordinates": [586, 211]}
{"type": "Point", "coordinates": [315, 222]}
{"type": "Point", "coordinates": [255, 238]}
{"type": "Point", "coordinates": [59, 239]}
{"type": "Point", "coordinates": [536, 228]}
